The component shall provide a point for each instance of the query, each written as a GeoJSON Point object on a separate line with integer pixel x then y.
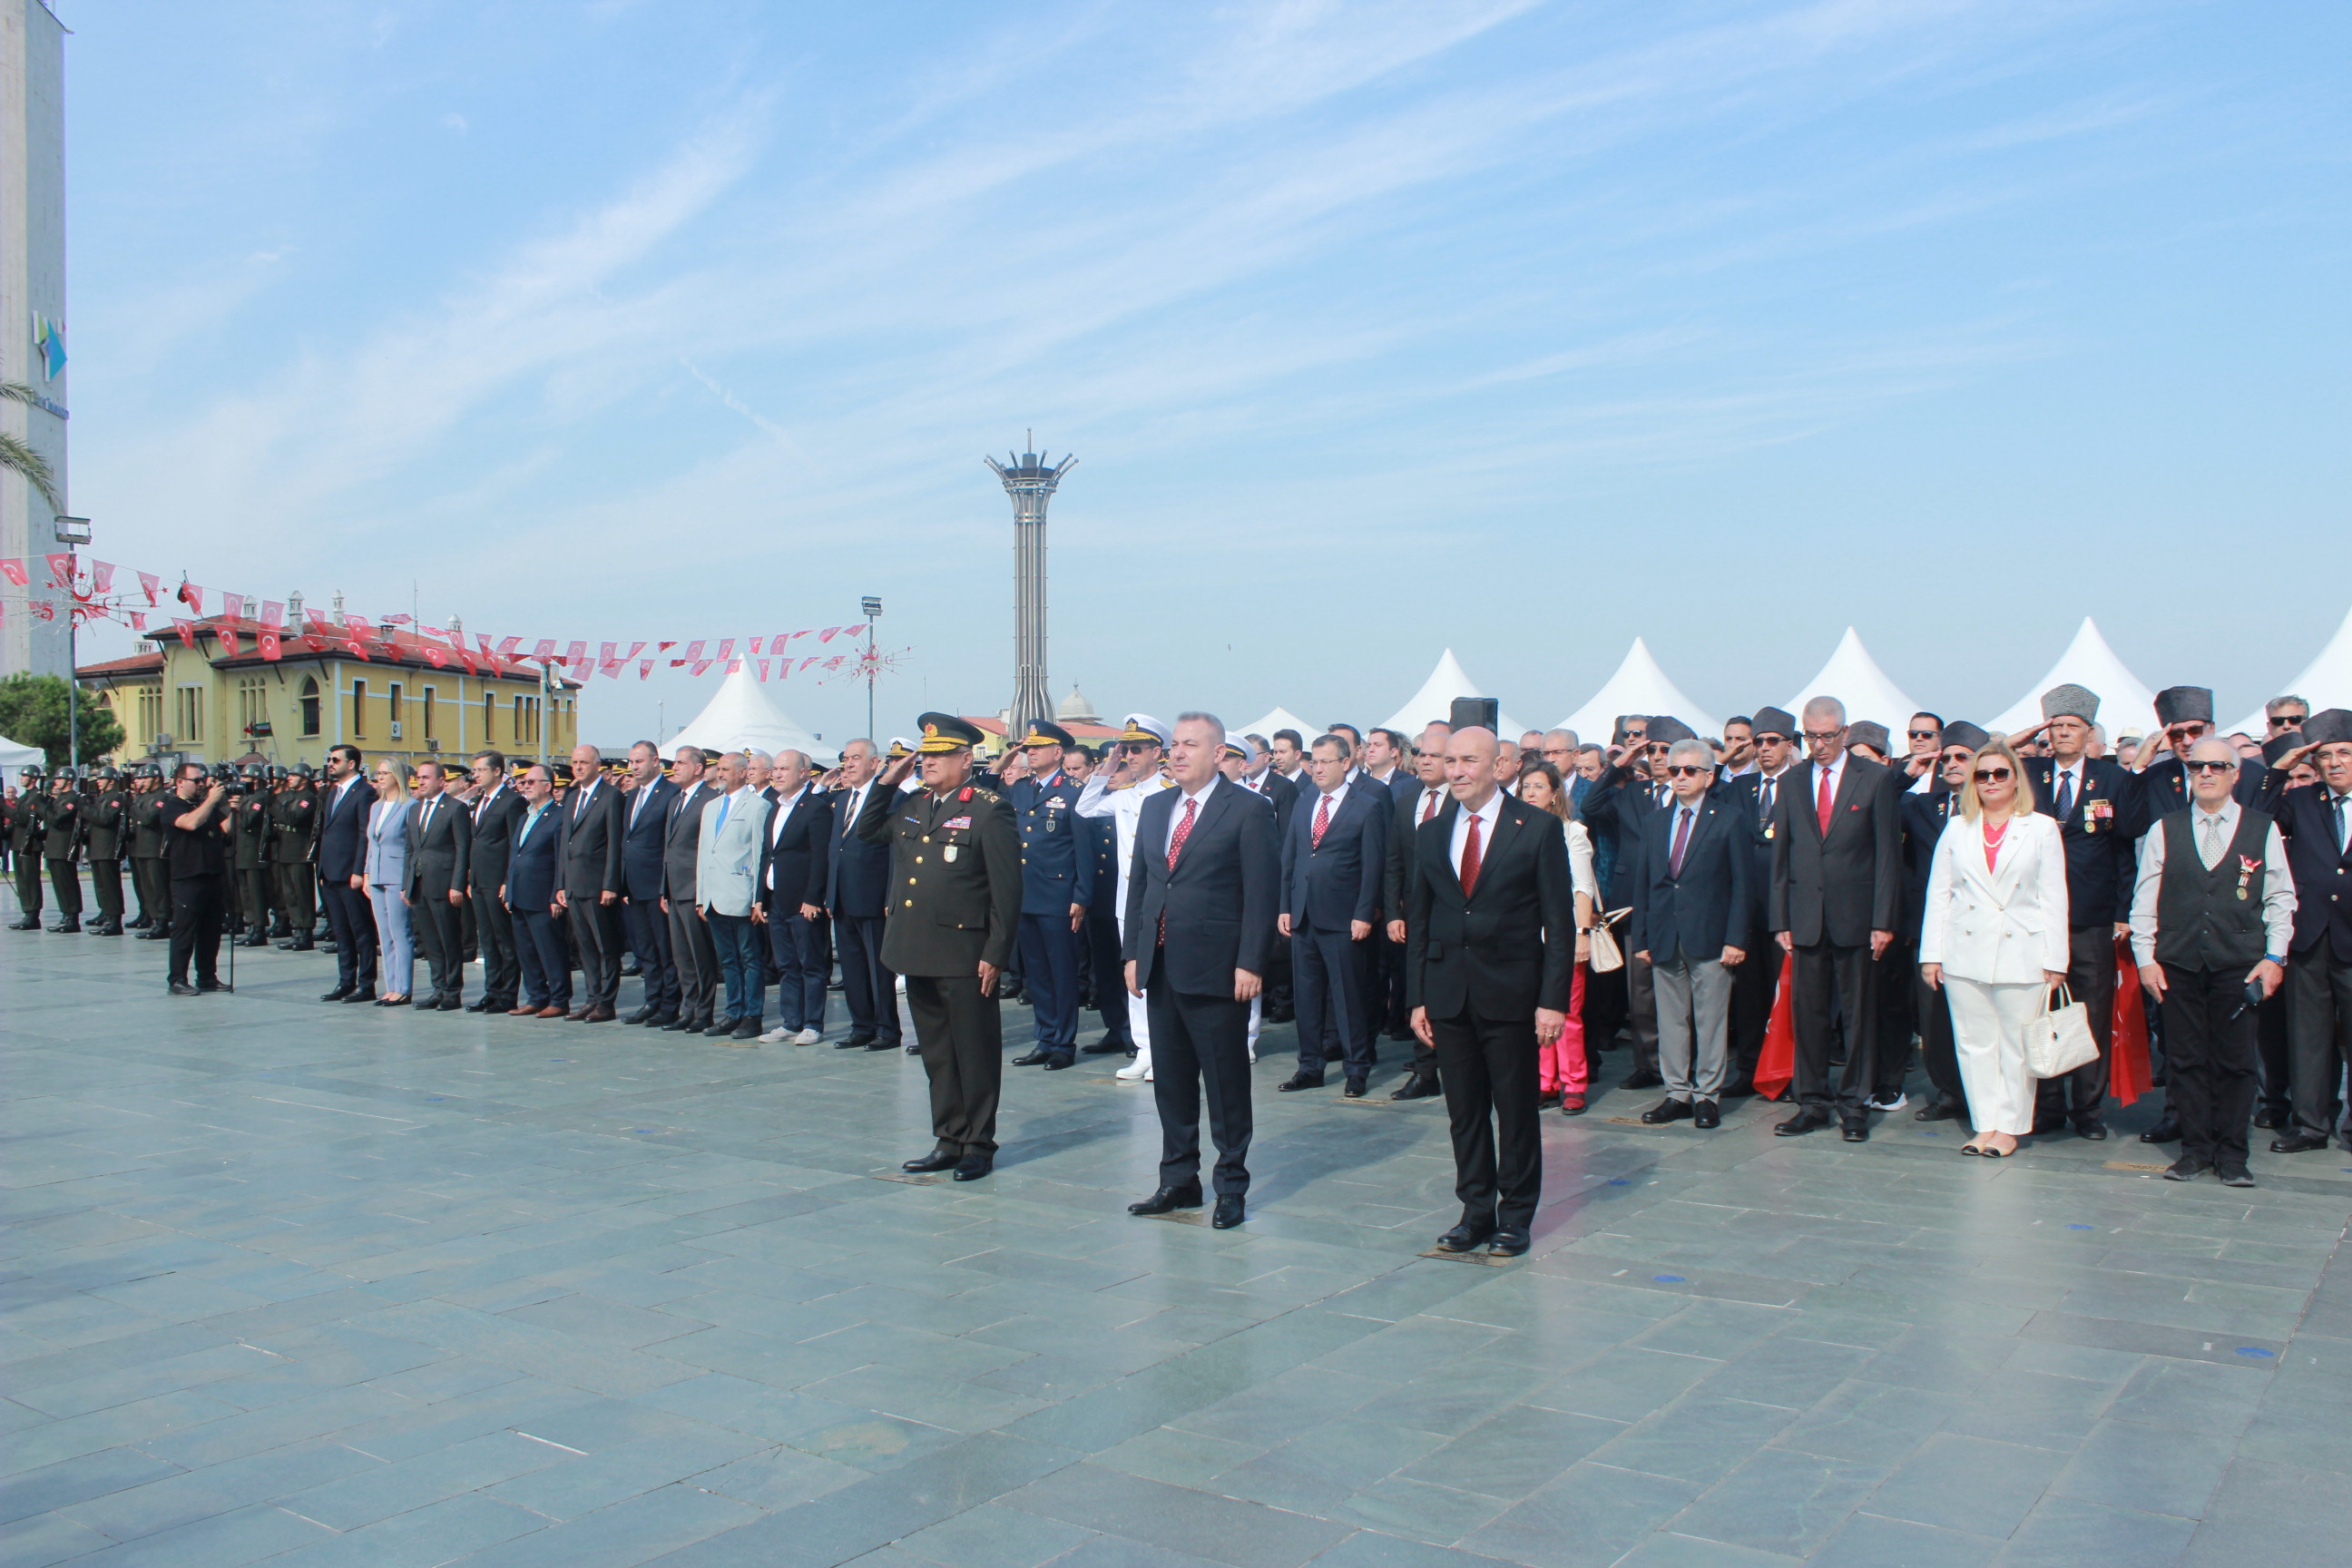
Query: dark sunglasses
{"type": "Point", "coordinates": [2209, 767]}
{"type": "Point", "coordinates": [2287, 721]}
{"type": "Point", "coordinates": [1923, 735]}
{"type": "Point", "coordinates": [1993, 776]}
{"type": "Point", "coordinates": [1687, 769]}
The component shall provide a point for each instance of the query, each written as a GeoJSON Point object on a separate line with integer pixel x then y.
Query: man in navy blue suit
{"type": "Point", "coordinates": [534, 875]}
{"type": "Point", "coordinates": [342, 861]}
{"type": "Point", "coordinates": [857, 881]}
{"type": "Point", "coordinates": [645, 818]}
{"type": "Point", "coordinates": [1057, 883]}
{"type": "Point", "coordinates": [1691, 923]}
{"type": "Point", "coordinates": [1334, 860]}
{"type": "Point", "coordinates": [792, 865]}
{"type": "Point", "coordinates": [2317, 821]}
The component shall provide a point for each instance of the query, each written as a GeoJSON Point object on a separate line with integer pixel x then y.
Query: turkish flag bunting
{"type": "Point", "coordinates": [545, 650]}
{"type": "Point", "coordinates": [693, 652]}
{"type": "Point", "coordinates": [233, 606]}
{"type": "Point", "coordinates": [318, 619]}
{"type": "Point", "coordinates": [468, 660]}
{"type": "Point", "coordinates": [809, 661]}
{"type": "Point", "coordinates": [665, 648]}
{"type": "Point", "coordinates": [727, 649]}
{"type": "Point", "coordinates": [15, 572]}
{"type": "Point", "coordinates": [270, 645]}
{"type": "Point", "coordinates": [186, 630]}
{"type": "Point", "coordinates": [356, 647]}
{"type": "Point", "coordinates": [701, 665]}
{"type": "Point", "coordinates": [273, 613]}
{"type": "Point", "coordinates": [192, 597]}
{"type": "Point", "coordinates": [575, 656]}
{"type": "Point", "coordinates": [645, 667]}
{"type": "Point", "coordinates": [61, 569]}
{"type": "Point", "coordinates": [316, 645]}
{"type": "Point", "coordinates": [755, 644]}
{"type": "Point", "coordinates": [148, 583]}
{"type": "Point", "coordinates": [828, 634]}
{"type": "Point", "coordinates": [802, 633]}
{"type": "Point", "coordinates": [607, 655]}
{"type": "Point", "coordinates": [137, 620]}
{"type": "Point", "coordinates": [440, 660]}
{"type": "Point", "coordinates": [635, 648]}
{"type": "Point", "coordinates": [1776, 1063]}
{"type": "Point", "coordinates": [763, 669]}
{"type": "Point", "coordinates": [228, 637]}
{"type": "Point", "coordinates": [102, 576]}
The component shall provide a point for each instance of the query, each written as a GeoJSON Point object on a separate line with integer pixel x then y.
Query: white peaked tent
{"type": "Point", "coordinates": [1280, 718]}
{"type": "Point", "coordinates": [740, 717]}
{"type": "Point", "coordinates": [1853, 678]}
{"type": "Point", "coordinates": [2326, 681]}
{"type": "Point", "coordinates": [1435, 701]}
{"type": "Point", "coordinates": [1638, 687]}
{"type": "Point", "coordinates": [2090, 663]}
{"type": "Point", "coordinates": [15, 759]}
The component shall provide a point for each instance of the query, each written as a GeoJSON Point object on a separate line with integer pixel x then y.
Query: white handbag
{"type": "Point", "coordinates": [2060, 1040]}
{"type": "Point", "coordinates": [1606, 954]}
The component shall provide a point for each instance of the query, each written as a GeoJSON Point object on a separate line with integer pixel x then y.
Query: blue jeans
{"type": "Point", "coordinates": [736, 941]}
{"type": "Point", "coordinates": [800, 969]}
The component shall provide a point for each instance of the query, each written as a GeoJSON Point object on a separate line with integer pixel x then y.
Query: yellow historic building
{"type": "Point", "coordinates": [205, 704]}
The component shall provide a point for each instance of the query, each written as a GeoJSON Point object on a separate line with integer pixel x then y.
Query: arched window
{"type": "Point", "coordinates": [310, 700]}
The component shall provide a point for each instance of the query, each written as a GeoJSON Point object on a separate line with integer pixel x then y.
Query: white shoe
{"type": "Point", "coordinates": [776, 1036]}
{"type": "Point", "coordinates": [1881, 1103]}
{"type": "Point", "coordinates": [1133, 1072]}
{"type": "Point", "coordinates": [805, 1037]}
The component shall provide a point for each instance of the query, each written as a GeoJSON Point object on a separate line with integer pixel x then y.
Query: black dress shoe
{"type": "Point", "coordinates": [720, 1030]}
{"type": "Point", "coordinates": [1739, 1088]}
{"type": "Point", "coordinates": [2096, 1131]}
{"type": "Point", "coordinates": [1641, 1079]}
{"type": "Point", "coordinates": [1937, 1111]}
{"type": "Point", "coordinates": [364, 993]}
{"type": "Point", "coordinates": [1508, 1243]}
{"type": "Point", "coordinates": [1299, 1080]}
{"type": "Point", "coordinates": [854, 1042]}
{"type": "Point", "coordinates": [642, 1015]}
{"type": "Point", "coordinates": [1420, 1086]}
{"type": "Point", "coordinates": [1036, 1058]}
{"type": "Point", "coordinates": [1666, 1111]}
{"type": "Point", "coordinates": [428, 1003]}
{"type": "Point", "coordinates": [1810, 1120]}
{"type": "Point", "coordinates": [937, 1159]}
{"type": "Point", "coordinates": [888, 1046]}
{"type": "Point", "coordinates": [661, 1020]}
{"type": "Point", "coordinates": [2270, 1120]}
{"type": "Point", "coordinates": [1855, 1129]}
{"type": "Point", "coordinates": [2188, 1168]}
{"type": "Point", "coordinates": [681, 1027]}
{"type": "Point", "coordinates": [2168, 1130]}
{"type": "Point", "coordinates": [1464, 1238]}
{"type": "Point", "coordinates": [2234, 1175]}
{"type": "Point", "coordinates": [180, 990]}
{"type": "Point", "coordinates": [1226, 1214]}
{"type": "Point", "coordinates": [630, 971]}
{"type": "Point", "coordinates": [211, 985]}
{"type": "Point", "coordinates": [2298, 1143]}
{"type": "Point", "coordinates": [1705, 1115]}
{"type": "Point", "coordinates": [1167, 1200]}
{"type": "Point", "coordinates": [1355, 1089]}
{"type": "Point", "coordinates": [971, 1167]}
{"type": "Point", "coordinates": [481, 1004]}
{"type": "Point", "coordinates": [337, 994]}
{"type": "Point", "coordinates": [1059, 1061]}
{"type": "Point", "coordinates": [1102, 1047]}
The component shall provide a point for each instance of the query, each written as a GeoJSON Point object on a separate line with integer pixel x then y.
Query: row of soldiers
{"type": "Point", "coordinates": [98, 817]}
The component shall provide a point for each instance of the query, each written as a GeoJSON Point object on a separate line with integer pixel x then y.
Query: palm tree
{"type": "Point", "coordinates": [17, 456]}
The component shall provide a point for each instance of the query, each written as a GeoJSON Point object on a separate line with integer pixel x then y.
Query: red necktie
{"type": "Point", "coordinates": [1428, 804]}
{"type": "Point", "coordinates": [1470, 860]}
{"type": "Point", "coordinates": [1681, 842]}
{"type": "Point", "coordinates": [1322, 820]}
{"type": "Point", "coordinates": [1825, 803]}
{"type": "Point", "coordinates": [1176, 847]}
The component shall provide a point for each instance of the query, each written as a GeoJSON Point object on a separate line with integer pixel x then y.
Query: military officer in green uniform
{"type": "Point", "coordinates": [149, 809]}
{"type": "Point", "coordinates": [24, 848]}
{"type": "Point", "coordinates": [61, 848]}
{"type": "Point", "coordinates": [105, 820]}
{"type": "Point", "coordinates": [953, 911]}
{"type": "Point", "coordinates": [252, 850]}
{"type": "Point", "coordinates": [294, 850]}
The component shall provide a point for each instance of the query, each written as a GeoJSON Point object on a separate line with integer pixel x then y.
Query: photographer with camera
{"type": "Point", "coordinates": [195, 844]}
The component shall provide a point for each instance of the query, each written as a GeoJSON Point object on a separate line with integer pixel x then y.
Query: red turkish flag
{"type": "Point", "coordinates": [693, 652]}
{"type": "Point", "coordinates": [1776, 1063]}
{"type": "Point", "coordinates": [575, 656]}
{"type": "Point", "coordinates": [727, 649]}
{"type": "Point", "coordinates": [192, 597]}
{"type": "Point", "coordinates": [273, 613]}
{"type": "Point", "coordinates": [227, 630]}
{"type": "Point", "coordinates": [440, 660]}
{"type": "Point", "coordinates": [763, 669]}
{"type": "Point", "coordinates": [828, 634]}
{"type": "Point", "coordinates": [270, 645]}
{"type": "Point", "coordinates": [61, 569]}
{"type": "Point", "coordinates": [233, 606]}
{"type": "Point", "coordinates": [15, 572]}
{"type": "Point", "coordinates": [701, 665]}
{"type": "Point", "coordinates": [102, 576]}
{"type": "Point", "coordinates": [186, 630]}
{"type": "Point", "coordinates": [2128, 1074]}
{"type": "Point", "coordinates": [148, 583]}
{"type": "Point", "coordinates": [645, 667]}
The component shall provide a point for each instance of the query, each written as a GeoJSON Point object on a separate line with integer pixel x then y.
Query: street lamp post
{"type": "Point", "coordinates": [872, 606]}
{"type": "Point", "coordinates": [72, 531]}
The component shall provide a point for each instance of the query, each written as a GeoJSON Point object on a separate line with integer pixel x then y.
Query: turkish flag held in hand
{"type": "Point", "coordinates": [1775, 1064]}
{"type": "Point", "coordinates": [2127, 1071]}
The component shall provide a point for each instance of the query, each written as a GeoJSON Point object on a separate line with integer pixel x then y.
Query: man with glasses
{"type": "Point", "coordinates": [1837, 894]}
{"type": "Point", "coordinates": [1559, 747]}
{"type": "Point", "coordinates": [1690, 927]}
{"type": "Point", "coordinates": [1924, 764]}
{"type": "Point", "coordinates": [2213, 918]}
{"type": "Point", "coordinates": [1773, 732]}
{"type": "Point", "coordinates": [2281, 714]}
{"type": "Point", "coordinates": [2185, 716]}
{"type": "Point", "coordinates": [1627, 792]}
{"type": "Point", "coordinates": [2316, 821]}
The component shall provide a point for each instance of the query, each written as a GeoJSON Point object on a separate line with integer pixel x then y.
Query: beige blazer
{"type": "Point", "coordinates": [2004, 926]}
{"type": "Point", "coordinates": [726, 858]}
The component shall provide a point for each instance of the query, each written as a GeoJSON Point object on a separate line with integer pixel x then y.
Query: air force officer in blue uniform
{"type": "Point", "coordinates": [1057, 883]}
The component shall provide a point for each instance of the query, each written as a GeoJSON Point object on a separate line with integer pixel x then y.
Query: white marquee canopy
{"type": "Point", "coordinates": [2324, 682]}
{"type": "Point", "coordinates": [1280, 718]}
{"type": "Point", "coordinates": [2125, 703]}
{"type": "Point", "coordinates": [1853, 678]}
{"type": "Point", "coordinates": [740, 717]}
{"type": "Point", "coordinates": [1638, 687]}
{"type": "Point", "coordinates": [1435, 701]}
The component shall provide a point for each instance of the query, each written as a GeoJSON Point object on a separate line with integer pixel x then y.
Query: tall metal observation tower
{"type": "Point", "coordinates": [1030, 480]}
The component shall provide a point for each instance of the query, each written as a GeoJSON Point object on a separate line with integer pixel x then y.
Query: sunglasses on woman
{"type": "Point", "coordinates": [1993, 776]}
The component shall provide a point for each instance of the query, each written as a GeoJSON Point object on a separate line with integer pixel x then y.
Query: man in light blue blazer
{"type": "Point", "coordinates": [726, 883]}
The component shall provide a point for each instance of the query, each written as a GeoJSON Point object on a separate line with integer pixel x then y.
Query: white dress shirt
{"type": "Point", "coordinates": [776, 820]}
{"type": "Point", "coordinates": [2059, 773]}
{"type": "Point", "coordinates": [1835, 769]}
{"type": "Point", "coordinates": [1485, 816]}
{"type": "Point", "coordinates": [2206, 830]}
{"type": "Point", "coordinates": [1176, 818]}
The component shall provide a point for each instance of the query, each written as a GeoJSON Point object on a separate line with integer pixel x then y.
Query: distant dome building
{"type": "Point", "coordinates": [1075, 710]}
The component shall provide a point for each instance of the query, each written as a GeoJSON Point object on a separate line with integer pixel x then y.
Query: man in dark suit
{"type": "Point", "coordinates": [1489, 970]}
{"type": "Point", "coordinates": [1057, 883]}
{"type": "Point", "coordinates": [1925, 815]}
{"type": "Point", "coordinates": [1837, 894]}
{"type": "Point", "coordinates": [495, 810]}
{"type": "Point", "coordinates": [955, 894]}
{"type": "Point", "coordinates": [2099, 806]}
{"type": "Point", "coordinates": [2186, 716]}
{"type": "Point", "coordinates": [1260, 776]}
{"type": "Point", "coordinates": [1773, 733]}
{"type": "Point", "coordinates": [342, 867]}
{"type": "Point", "coordinates": [1334, 862]}
{"type": "Point", "coordinates": [1618, 808]}
{"type": "Point", "coordinates": [2316, 821]}
{"type": "Point", "coordinates": [1692, 910]}
{"type": "Point", "coordinates": [1201, 895]}
{"type": "Point", "coordinates": [696, 960]}
{"type": "Point", "coordinates": [857, 884]}
{"type": "Point", "coordinates": [793, 859]}
{"type": "Point", "coordinates": [534, 876]}
{"type": "Point", "coordinates": [590, 893]}
{"type": "Point", "coordinates": [440, 845]}
{"type": "Point", "coordinates": [1417, 796]}
{"type": "Point", "coordinates": [645, 817]}
{"type": "Point", "coordinates": [1102, 934]}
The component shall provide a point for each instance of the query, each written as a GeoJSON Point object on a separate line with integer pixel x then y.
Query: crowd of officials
{"type": "Point", "coordinates": [1499, 912]}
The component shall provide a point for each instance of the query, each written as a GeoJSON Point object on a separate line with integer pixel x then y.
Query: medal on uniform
{"type": "Point", "coordinates": [2247, 867]}
{"type": "Point", "coordinates": [949, 852]}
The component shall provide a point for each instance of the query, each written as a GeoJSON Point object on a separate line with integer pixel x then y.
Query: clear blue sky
{"type": "Point", "coordinates": [1378, 327]}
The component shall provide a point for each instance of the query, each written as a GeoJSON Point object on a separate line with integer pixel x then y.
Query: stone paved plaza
{"type": "Point", "coordinates": [318, 1285]}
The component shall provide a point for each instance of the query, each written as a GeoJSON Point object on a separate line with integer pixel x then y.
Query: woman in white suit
{"type": "Point", "coordinates": [387, 874]}
{"type": "Point", "coordinates": [1996, 933]}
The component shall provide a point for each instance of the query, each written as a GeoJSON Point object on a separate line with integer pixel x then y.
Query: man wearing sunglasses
{"type": "Point", "coordinates": [1837, 894]}
{"type": "Point", "coordinates": [2212, 917]}
{"type": "Point", "coordinates": [1923, 819]}
{"type": "Point", "coordinates": [1773, 732]}
{"type": "Point", "coordinates": [2281, 714]}
{"type": "Point", "coordinates": [1631, 791]}
{"type": "Point", "coordinates": [2316, 821]}
{"type": "Point", "coordinates": [2101, 814]}
{"type": "Point", "coordinates": [1690, 925]}
{"type": "Point", "coordinates": [2184, 715]}
{"type": "Point", "coordinates": [1925, 765]}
